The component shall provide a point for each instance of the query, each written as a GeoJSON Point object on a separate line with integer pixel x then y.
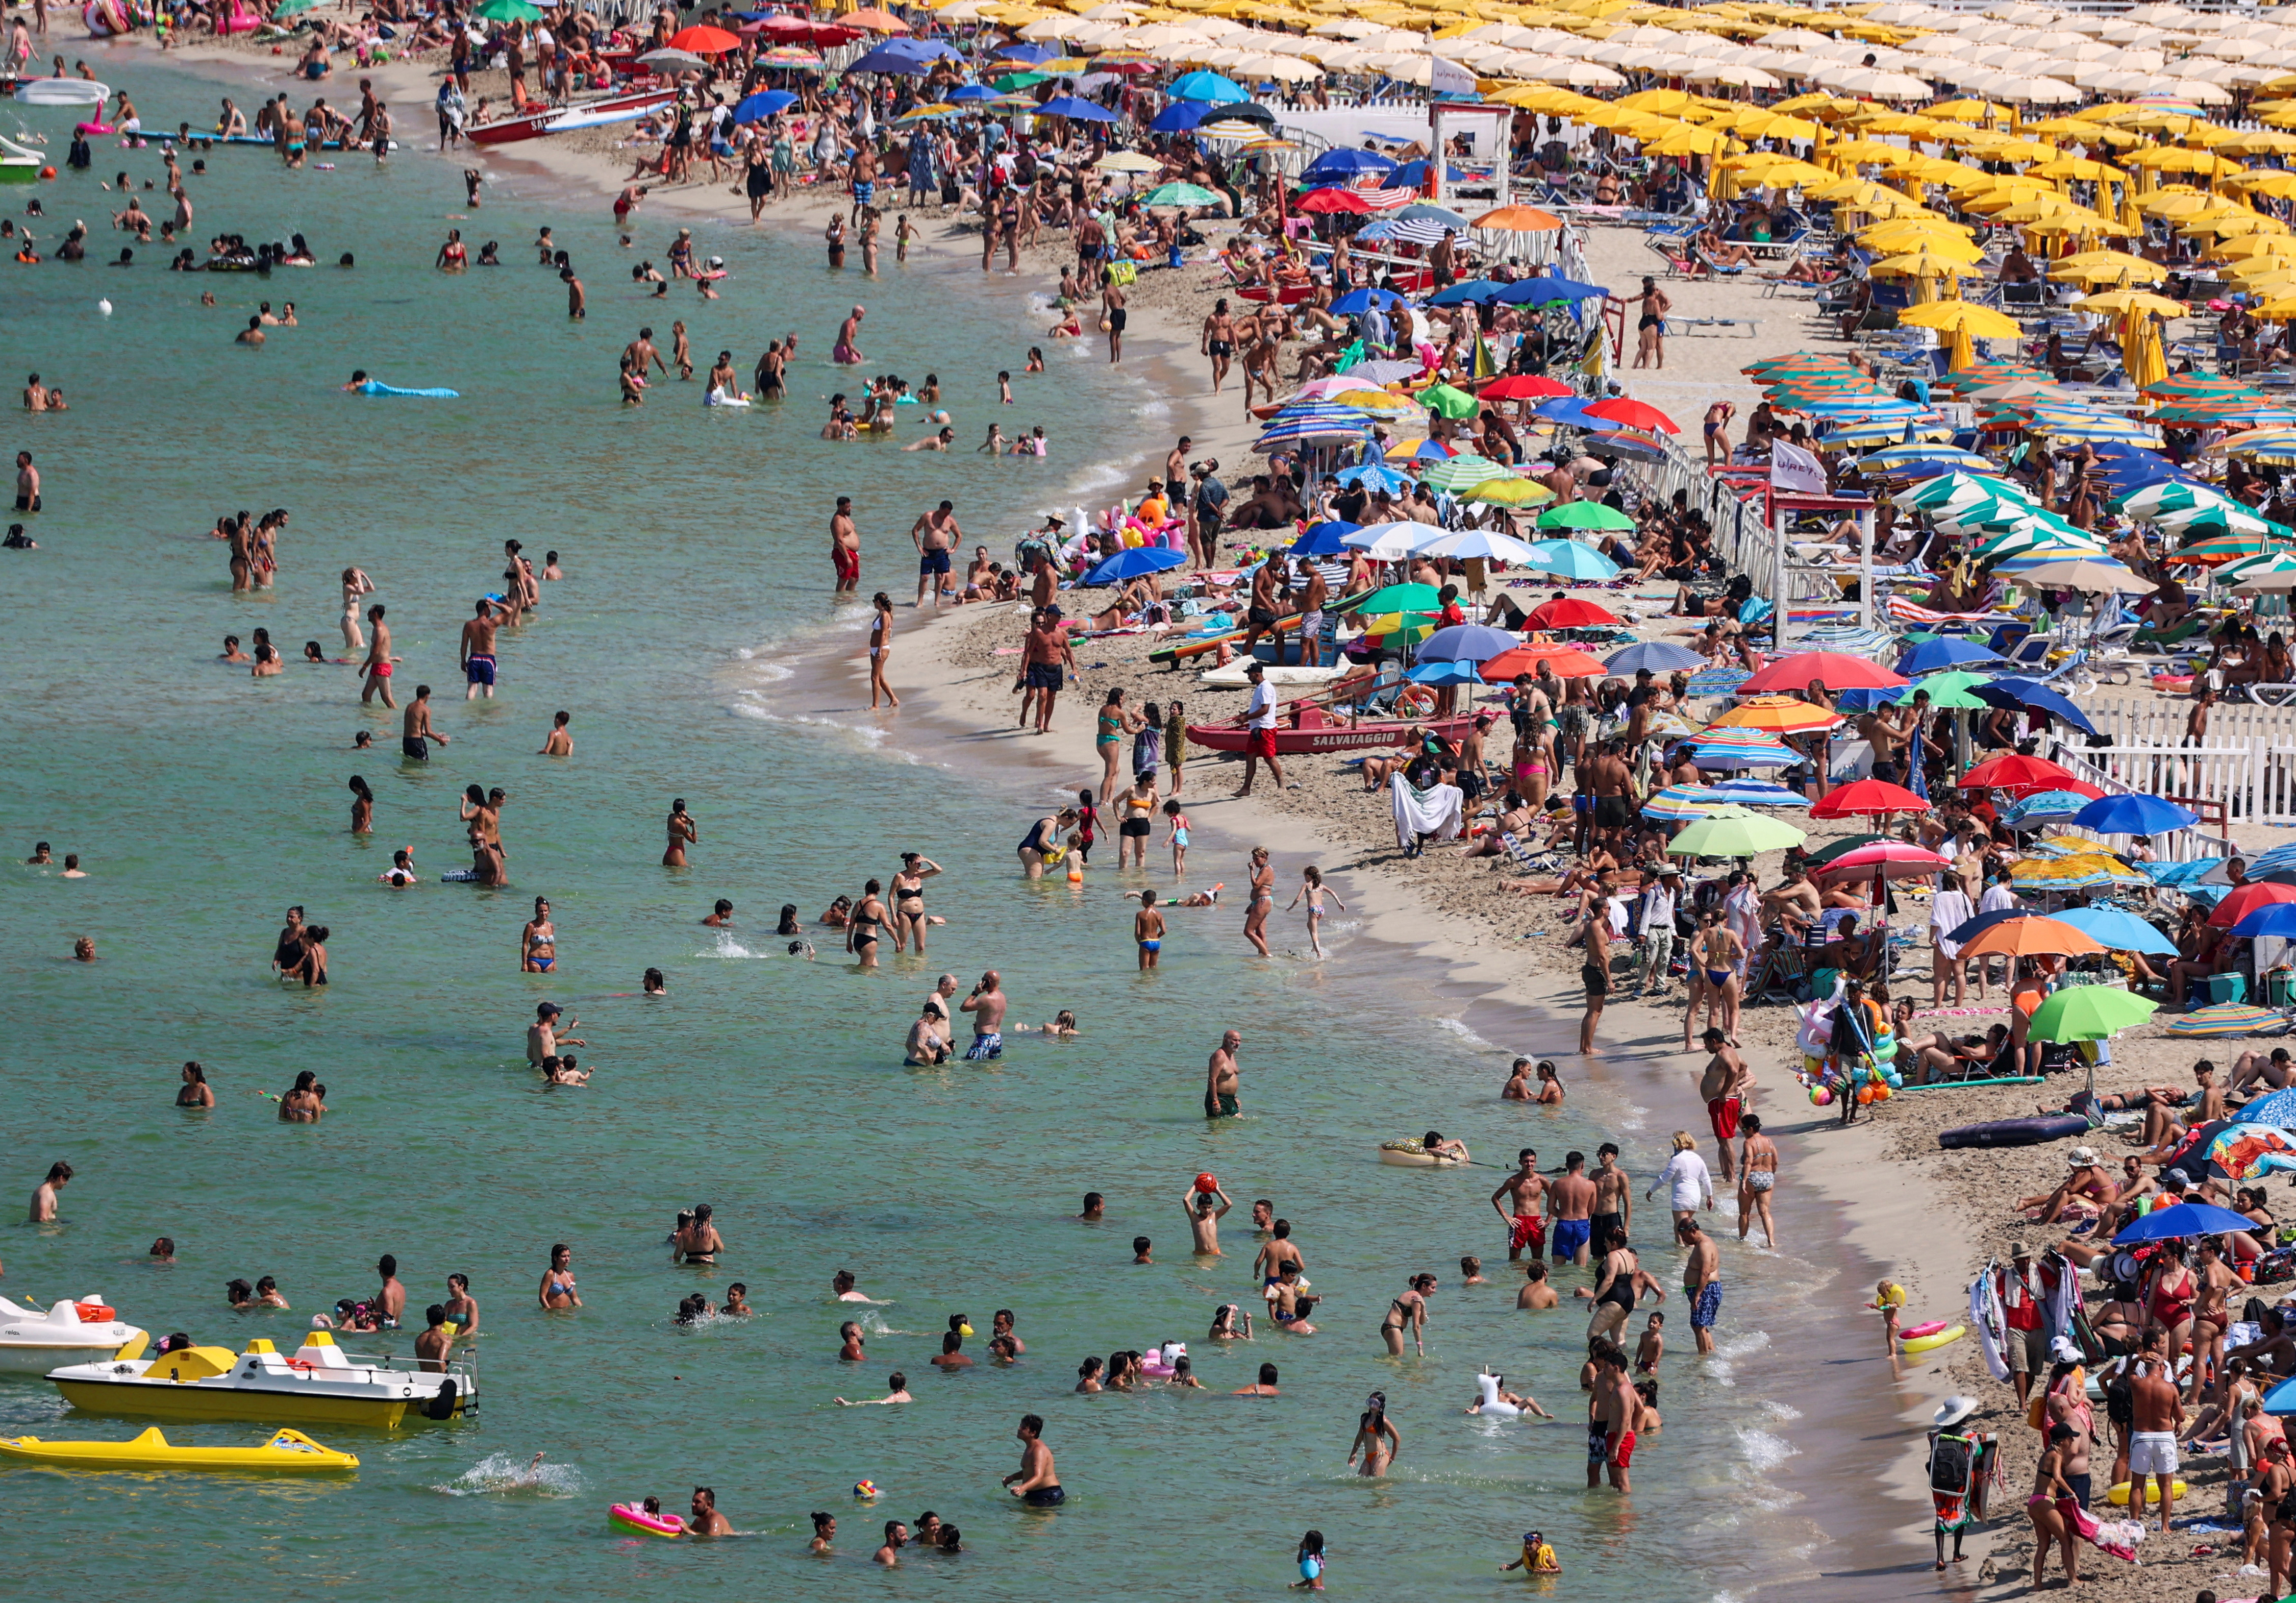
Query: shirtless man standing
{"type": "Point", "coordinates": [377, 668]}
{"type": "Point", "coordinates": [1722, 1088]}
{"type": "Point", "coordinates": [2160, 1415]}
{"type": "Point", "coordinates": [1526, 1227]}
{"type": "Point", "coordinates": [1702, 1280]}
{"type": "Point", "coordinates": [935, 534]}
{"type": "Point", "coordinates": [1223, 1080]}
{"type": "Point", "coordinates": [1217, 343]}
{"type": "Point", "coordinates": [845, 544]}
{"type": "Point", "coordinates": [987, 1003]}
{"type": "Point", "coordinates": [1607, 778]}
{"type": "Point", "coordinates": [413, 742]}
{"type": "Point", "coordinates": [1614, 1201]}
{"type": "Point", "coordinates": [478, 650]}
{"type": "Point", "coordinates": [1036, 1482]}
{"type": "Point", "coordinates": [1570, 1203]}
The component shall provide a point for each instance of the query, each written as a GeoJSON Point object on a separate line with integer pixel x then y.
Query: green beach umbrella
{"type": "Point", "coordinates": [1013, 82]}
{"type": "Point", "coordinates": [507, 11]}
{"type": "Point", "coordinates": [291, 8]}
{"type": "Point", "coordinates": [1946, 690]}
{"type": "Point", "coordinates": [1734, 837]}
{"type": "Point", "coordinates": [1443, 401]}
{"type": "Point", "coordinates": [1464, 471]}
{"type": "Point", "coordinates": [1180, 195]}
{"type": "Point", "coordinates": [1584, 514]}
{"type": "Point", "coordinates": [2088, 1013]}
{"type": "Point", "coordinates": [1401, 598]}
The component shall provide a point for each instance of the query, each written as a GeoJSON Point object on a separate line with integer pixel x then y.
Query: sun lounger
{"type": "Point", "coordinates": [1697, 325]}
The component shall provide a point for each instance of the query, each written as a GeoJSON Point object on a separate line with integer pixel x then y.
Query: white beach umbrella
{"type": "Point", "coordinates": [1386, 542]}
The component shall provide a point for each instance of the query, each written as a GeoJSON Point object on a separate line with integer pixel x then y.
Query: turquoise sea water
{"type": "Point", "coordinates": [694, 545]}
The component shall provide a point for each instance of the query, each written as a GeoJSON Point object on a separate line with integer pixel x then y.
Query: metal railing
{"type": "Point", "coordinates": [1742, 538]}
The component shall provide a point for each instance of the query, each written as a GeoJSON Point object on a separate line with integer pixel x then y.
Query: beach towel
{"type": "Point", "coordinates": [1435, 812]}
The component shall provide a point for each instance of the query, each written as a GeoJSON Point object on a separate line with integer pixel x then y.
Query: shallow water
{"type": "Point", "coordinates": [696, 549]}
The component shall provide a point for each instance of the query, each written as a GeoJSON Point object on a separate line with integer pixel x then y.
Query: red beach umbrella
{"type": "Point", "coordinates": [1834, 670]}
{"type": "Point", "coordinates": [2246, 898]}
{"type": "Point", "coordinates": [704, 40]}
{"type": "Point", "coordinates": [1570, 613]}
{"type": "Point", "coordinates": [1523, 386]}
{"type": "Point", "coordinates": [2013, 768]}
{"type": "Point", "coordinates": [1866, 796]}
{"type": "Point", "coordinates": [1332, 200]}
{"type": "Point", "coordinates": [1633, 414]}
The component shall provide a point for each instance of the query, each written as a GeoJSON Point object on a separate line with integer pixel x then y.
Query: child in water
{"type": "Point", "coordinates": [1537, 1558]}
{"type": "Point", "coordinates": [1311, 1563]}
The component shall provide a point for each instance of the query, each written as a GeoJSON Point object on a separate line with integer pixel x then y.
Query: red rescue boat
{"type": "Point", "coordinates": [1307, 727]}
{"type": "Point", "coordinates": [579, 114]}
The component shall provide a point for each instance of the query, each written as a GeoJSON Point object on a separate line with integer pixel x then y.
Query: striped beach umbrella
{"type": "Point", "coordinates": [1757, 792]}
{"type": "Point", "coordinates": [1718, 681]}
{"type": "Point", "coordinates": [1889, 455]}
{"type": "Point", "coordinates": [1743, 749]}
{"type": "Point", "coordinates": [2154, 500]}
{"type": "Point", "coordinates": [1777, 715]}
{"type": "Point", "coordinates": [2229, 1018]}
{"type": "Point", "coordinates": [1680, 803]}
{"type": "Point", "coordinates": [1462, 471]}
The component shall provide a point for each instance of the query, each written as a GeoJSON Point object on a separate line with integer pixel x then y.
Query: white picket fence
{"type": "Point", "coordinates": [2253, 780]}
{"type": "Point", "coordinates": [2156, 721]}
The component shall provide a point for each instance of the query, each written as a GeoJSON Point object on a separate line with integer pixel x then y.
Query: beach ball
{"type": "Point", "coordinates": [47, 172]}
{"type": "Point", "coordinates": [864, 1490]}
{"type": "Point", "coordinates": [1822, 1097]}
{"type": "Point", "coordinates": [1205, 1182]}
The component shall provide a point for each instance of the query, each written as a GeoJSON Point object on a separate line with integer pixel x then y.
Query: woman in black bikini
{"type": "Point", "coordinates": [195, 1091]}
{"type": "Point", "coordinates": [1407, 1312]}
{"type": "Point", "coordinates": [868, 918]}
{"type": "Point", "coordinates": [909, 900]}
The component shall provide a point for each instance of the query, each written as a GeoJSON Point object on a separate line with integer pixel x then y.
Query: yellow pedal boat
{"type": "Point", "coordinates": [289, 1452]}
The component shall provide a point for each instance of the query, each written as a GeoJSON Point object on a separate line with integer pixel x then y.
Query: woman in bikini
{"type": "Point", "coordinates": [909, 900]}
{"type": "Point", "coordinates": [558, 1281]}
{"type": "Point", "coordinates": [2051, 1528]}
{"type": "Point", "coordinates": [537, 943]}
{"type": "Point", "coordinates": [1313, 889]}
{"type": "Point", "coordinates": [880, 650]}
{"type": "Point", "coordinates": [1408, 1312]}
{"type": "Point", "coordinates": [2211, 1317]}
{"type": "Point", "coordinates": [1714, 954]}
{"type": "Point", "coordinates": [356, 584]}
{"type": "Point", "coordinates": [1376, 1438]}
{"type": "Point", "coordinates": [1114, 727]}
{"type": "Point", "coordinates": [1263, 900]}
{"type": "Point", "coordinates": [195, 1091]}
{"type": "Point", "coordinates": [682, 834]}
{"type": "Point", "coordinates": [868, 917]}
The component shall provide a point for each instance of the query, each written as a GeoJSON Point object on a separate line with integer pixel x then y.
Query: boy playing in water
{"type": "Point", "coordinates": [1204, 1219]}
{"type": "Point", "coordinates": [1148, 934]}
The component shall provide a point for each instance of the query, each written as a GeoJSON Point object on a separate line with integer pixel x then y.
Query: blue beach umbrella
{"type": "Point", "coordinates": [1473, 290]}
{"type": "Point", "coordinates": [1336, 167]}
{"type": "Point", "coordinates": [1447, 670]}
{"type": "Point", "coordinates": [2033, 692]}
{"type": "Point", "coordinates": [1207, 87]}
{"type": "Point", "coordinates": [1026, 52]}
{"type": "Point", "coordinates": [1544, 289]}
{"type": "Point", "coordinates": [2047, 804]}
{"type": "Point", "coordinates": [2183, 1222]}
{"type": "Point", "coordinates": [1758, 793]}
{"type": "Point", "coordinates": [2278, 918]}
{"type": "Point", "coordinates": [1944, 652]}
{"type": "Point", "coordinates": [1467, 643]}
{"type": "Point", "coordinates": [1180, 116]}
{"type": "Point", "coordinates": [764, 103]}
{"type": "Point", "coordinates": [1355, 302]}
{"type": "Point", "coordinates": [2135, 815]}
{"type": "Point", "coordinates": [2279, 1109]}
{"type": "Point", "coordinates": [1680, 803]}
{"type": "Point", "coordinates": [1076, 109]}
{"type": "Point", "coordinates": [2118, 931]}
{"type": "Point", "coordinates": [1322, 540]}
{"type": "Point", "coordinates": [1659, 656]}
{"type": "Point", "coordinates": [964, 93]}
{"type": "Point", "coordinates": [1568, 559]}
{"type": "Point", "coordinates": [1133, 563]}
{"type": "Point", "coordinates": [1378, 475]}
{"type": "Point", "coordinates": [1569, 410]}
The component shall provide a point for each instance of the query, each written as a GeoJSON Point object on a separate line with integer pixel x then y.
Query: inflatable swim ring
{"type": "Point", "coordinates": [626, 1518]}
{"type": "Point", "coordinates": [1488, 1384]}
{"type": "Point", "coordinates": [85, 128]}
{"type": "Point", "coordinates": [375, 387]}
{"type": "Point", "coordinates": [1411, 1152]}
{"type": "Point", "coordinates": [1919, 1331]}
{"type": "Point", "coordinates": [2119, 1495]}
{"type": "Point", "coordinates": [1928, 1344]}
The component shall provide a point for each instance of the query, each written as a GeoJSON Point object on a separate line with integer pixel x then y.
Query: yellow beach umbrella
{"type": "Point", "coordinates": [1980, 321]}
{"type": "Point", "coordinates": [2107, 267]}
{"type": "Point", "coordinates": [1925, 263]}
{"type": "Point", "coordinates": [2133, 300]}
{"type": "Point", "coordinates": [1509, 492]}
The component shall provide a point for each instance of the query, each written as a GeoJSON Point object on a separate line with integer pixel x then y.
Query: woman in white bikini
{"type": "Point", "coordinates": [356, 584]}
{"type": "Point", "coordinates": [880, 649]}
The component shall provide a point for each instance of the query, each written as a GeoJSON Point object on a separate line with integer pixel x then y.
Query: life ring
{"type": "Point", "coordinates": [2119, 1495]}
{"type": "Point", "coordinates": [1928, 1344]}
{"type": "Point", "coordinates": [1417, 702]}
{"type": "Point", "coordinates": [1919, 1331]}
{"type": "Point", "coordinates": [628, 1518]}
{"type": "Point", "coordinates": [95, 1313]}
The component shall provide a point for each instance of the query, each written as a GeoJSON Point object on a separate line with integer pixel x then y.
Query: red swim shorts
{"type": "Point", "coordinates": [1529, 1231]}
{"type": "Point", "coordinates": [1622, 1450]}
{"type": "Point", "coordinates": [848, 562]}
{"type": "Point", "coordinates": [1260, 742]}
{"type": "Point", "coordinates": [1722, 1113]}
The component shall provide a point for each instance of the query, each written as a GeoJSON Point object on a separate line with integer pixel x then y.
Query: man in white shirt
{"type": "Point", "coordinates": [1998, 898]}
{"type": "Point", "coordinates": [1260, 717]}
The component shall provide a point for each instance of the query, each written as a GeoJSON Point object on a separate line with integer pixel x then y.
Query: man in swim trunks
{"type": "Point", "coordinates": [1035, 1482]}
{"type": "Point", "coordinates": [1148, 930]}
{"type": "Point", "coordinates": [987, 1003]}
{"type": "Point", "coordinates": [1614, 1203]}
{"type": "Point", "coordinates": [1702, 1281]}
{"type": "Point", "coordinates": [1525, 1226]}
{"type": "Point", "coordinates": [1722, 1088]}
{"type": "Point", "coordinates": [845, 544]}
{"type": "Point", "coordinates": [1607, 778]}
{"type": "Point", "coordinates": [418, 729]}
{"type": "Point", "coordinates": [1610, 1413]}
{"type": "Point", "coordinates": [479, 649]}
{"type": "Point", "coordinates": [1222, 1079]}
{"type": "Point", "coordinates": [1570, 1201]}
{"type": "Point", "coordinates": [934, 535]}
{"type": "Point", "coordinates": [376, 670]}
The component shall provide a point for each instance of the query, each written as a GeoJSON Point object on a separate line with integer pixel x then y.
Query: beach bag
{"type": "Point", "coordinates": [1122, 272]}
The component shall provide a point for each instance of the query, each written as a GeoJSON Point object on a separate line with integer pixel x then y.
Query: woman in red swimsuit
{"type": "Point", "coordinates": [2170, 1299]}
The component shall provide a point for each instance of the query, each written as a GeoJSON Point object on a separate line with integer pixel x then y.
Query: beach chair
{"type": "Point", "coordinates": [2150, 639]}
{"type": "Point", "coordinates": [1716, 268]}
